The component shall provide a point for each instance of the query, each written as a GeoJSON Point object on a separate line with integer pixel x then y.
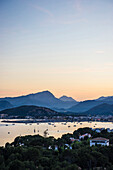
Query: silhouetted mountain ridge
{"type": "Point", "coordinates": [65, 98]}
{"type": "Point", "coordinates": [45, 99]}
{"type": "Point", "coordinates": [108, 99]}
{"type": "Point", "coordinates": [63, 104]}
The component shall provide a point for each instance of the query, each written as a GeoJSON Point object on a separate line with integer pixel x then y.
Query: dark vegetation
{"type": "Point", "coordinates": [29, 111]}
{"type": "Point", "coordinates": [35, 155]}
{"type": "Point", "coordinates": [37, 112]}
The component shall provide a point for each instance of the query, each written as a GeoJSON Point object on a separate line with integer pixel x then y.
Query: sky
{"type": "Point", "coordinates": [64, 46]}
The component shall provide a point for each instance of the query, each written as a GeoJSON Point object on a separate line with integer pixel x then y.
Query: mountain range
{"type": "Point", "coordinates": [102, 109]}
{"type": "Point", "coordinates": [4, 104]}
{"type": "Point", "coordinates": [44, 99]}
{"type": "Point", "coordinates": [85, 105]}
{"type": "Point", "coordinates": [65, 98]}
{"type": "Point", "coordinates": [62, 104]}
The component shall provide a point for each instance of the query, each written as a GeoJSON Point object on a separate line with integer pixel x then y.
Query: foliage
{"type": "Point", "coordinates": [35, 154]}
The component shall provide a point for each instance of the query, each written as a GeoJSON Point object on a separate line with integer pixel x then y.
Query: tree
{"type": "Point", "coordinates": [17, 165]}
{"type": "Point", "coordinates": [72, 167]}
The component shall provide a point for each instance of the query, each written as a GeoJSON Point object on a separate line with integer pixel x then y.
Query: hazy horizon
{"type": "Point", "coordinates": [54, 95]}
{"type": "Point", "coordinates": [63, 46]}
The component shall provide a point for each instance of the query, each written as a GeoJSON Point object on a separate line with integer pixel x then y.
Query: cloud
{"type": "Point", "coordinates": [73, 21]}
{"type": "Point", "coordinates": [43, 10]}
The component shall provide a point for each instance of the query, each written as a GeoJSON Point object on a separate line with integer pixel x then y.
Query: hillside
{"type": "Point", "coordinates": [5, 105]}
{"type": "Point", "coordinates": [29, 111]}
{"type": "Point", "coordinates": [62, 104]}
{"type": "Point", "coordinates": [108, 99]}
{"type": "Point", "coordinates": [84, 106]}
{"type": "Point", "coordinates": [44, 99]}
{"type": "Point", "coordinates": [103, 109]}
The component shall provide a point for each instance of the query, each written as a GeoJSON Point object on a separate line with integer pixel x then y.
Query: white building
{"type": "Point", "coordinates": [99, 141]}
{"type": "Point", "coordinates": [83, 136]}
{"type": "Point", "coordinates": [98, 130]}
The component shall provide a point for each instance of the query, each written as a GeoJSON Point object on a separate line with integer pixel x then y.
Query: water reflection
{"type": "Point", "coordinates": [9, 131]}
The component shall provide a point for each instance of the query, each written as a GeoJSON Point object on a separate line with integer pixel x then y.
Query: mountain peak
{"type": "Point", "coordinates": [66, 98]}
{"type": "Point", "coordinates": [105, 98]}
{"type": "Point", "coordinates": [47, 93]}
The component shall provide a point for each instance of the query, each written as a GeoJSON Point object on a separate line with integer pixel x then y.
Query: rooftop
{"type": "Point", "coordinates": [99, 139]}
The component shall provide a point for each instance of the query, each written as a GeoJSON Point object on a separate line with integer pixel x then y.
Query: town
{"type": "Point", "coordinates": [59, 118]}
{"type": "Point", "coordinates": [85, 149]}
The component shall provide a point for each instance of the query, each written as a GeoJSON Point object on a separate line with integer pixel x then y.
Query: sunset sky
{"type": "Point", "coordinates": [64, 46]}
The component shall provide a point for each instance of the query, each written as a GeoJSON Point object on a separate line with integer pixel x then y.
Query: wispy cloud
{"type": "Point", "coordinates": [43, 10]}
{"type": "Point", "coordinates": [66, 22]}
{"type": "Point", "coordinates": [67, 19]}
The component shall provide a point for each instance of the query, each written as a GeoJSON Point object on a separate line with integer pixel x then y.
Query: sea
{"type": "Point", "coordinates": [9, 131]}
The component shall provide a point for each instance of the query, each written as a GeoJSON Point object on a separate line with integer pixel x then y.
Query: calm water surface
{"type": "Point", "coordinates": [9, 131]}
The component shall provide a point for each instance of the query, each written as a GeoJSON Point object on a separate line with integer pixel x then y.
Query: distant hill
{"type": "Point", "coordinates": [44, 99]}
{"type": "Point", "coordinates": [69, 99]}
{"type": "Point", "coordinates": [29, 111]}
{"type": "Point", "coordinates": [84, 106]}
{"type": "Point", "coordinates": [103, 109]}
{"type": "Point", "coordinates": [108, 99]}
{"type": "Point", "coordinates": [5, 105]}
{"type": "Point", "coordinates": [62, 104]}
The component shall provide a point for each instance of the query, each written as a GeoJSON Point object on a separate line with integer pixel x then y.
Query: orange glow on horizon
{"type": "Point", "coordinates": [85, 95]}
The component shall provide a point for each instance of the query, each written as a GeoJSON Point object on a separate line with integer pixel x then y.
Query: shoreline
{"type": "Point", "coordinates": [47, 121]}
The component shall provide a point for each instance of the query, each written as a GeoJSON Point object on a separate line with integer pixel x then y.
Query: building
{"type": "Point", "coordinates": [73, 140]}
{"type": "Point", "coordinates": [97, 130]}
{"type": "Point", "coordinates": [83, 136]}
{"type": "Point", "coordinates": [99, 141]}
